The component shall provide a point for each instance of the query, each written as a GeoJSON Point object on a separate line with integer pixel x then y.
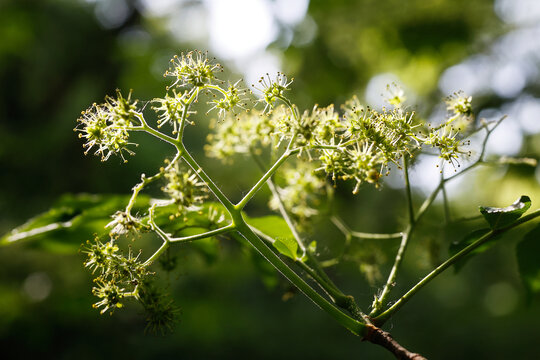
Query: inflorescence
{"type": "Point", "coordinates": [359, 144]}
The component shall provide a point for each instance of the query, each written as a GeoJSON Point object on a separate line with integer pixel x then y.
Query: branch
{"type": "Point", "coordinates": [381, 300]}
{"type": "Point", "coordinates": [380, 337]}
{"type": "Point", "coordinates": [439, 269]}
{"type": "Point", "coordinates": [353, 325]}
{"type": "Point", "coordinates": [348, 233]}
{"type": "Point", "coordinates": [264, 178]}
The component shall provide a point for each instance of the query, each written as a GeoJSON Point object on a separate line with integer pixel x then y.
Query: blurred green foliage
{"type": "Point", "coordinates": [56, 59]}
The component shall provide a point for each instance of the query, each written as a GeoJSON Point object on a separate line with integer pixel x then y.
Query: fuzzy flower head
{"type": "Point", "coordinates": [184, 188]}
{"type": "Point", "coordinates": [105, 127]}
{"type": "Point", "coordinates": [110, 294]}
{"type": "Point", "coordinates": [233, 98]}
{"type": "Point", "coordinates": [170, 109]}
{"type": "Point", "coordinates": [193, 69]}
{"type": "Point", "coordinates": [450, 146]}
{"type": "Point", "coordinates": [395, 95]}
{"type": "Point", "coordinates": [366, 165]}
{"type": "Point", "coordinates": [100, 255]}
{"type": "Point", "coordinates": [122, 110]}
{"type": "Point", "coordinates": [123, 223]}
{"type": "Point", "coordinates": [273, 89]}
{"type": "Point", "coordinates": [302, 191]}
{"type": "Point", "coordinates": [459, 104]}
{"type": "Point", "coordinates": [459, 107]}
{"type": "Point", "coordinates": [249, 132]}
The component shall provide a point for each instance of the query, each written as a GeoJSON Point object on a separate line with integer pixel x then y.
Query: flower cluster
{"type": "Point", "coordinates": [184, 188]}
{"type": "Point", "coordinates": [117, 273]}
{"type": "Point", "coordinates": [193, 69]}
{"type": "Point", "coordinates": [319, 127]}
{"type": "Point", "coordinates": [360, 145]}
{"type": "Point", "coordinates": [243, 135]}
{"type": "Point", "coordinates": [450, 146]}
{"type": "Point", "coordinates": [170, 109]}
{"type": "Point", "coordinates": [459, 107]}
{"type": "Point", "coordinates": [395, 95]}
{"type": "Point", "coordinates": [233, 98]}
{"type": "Point", "coordinates": [124, 223]}
{"type": "Point", "coordinates": [105, 126]}
{"type": "Point", "coordinates": [272, 90]}
{"type": "Point", "coordinates": [302, 192]}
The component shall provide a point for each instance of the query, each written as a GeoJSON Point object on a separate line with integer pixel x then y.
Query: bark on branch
{"type": "Point", "coordinates": [384, 339]}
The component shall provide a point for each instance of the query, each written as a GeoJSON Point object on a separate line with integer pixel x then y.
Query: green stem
{"type": "Point", "coordinates": [383, 317]}
{"type": "Point", "coordinates": [370, 236]}
{"type": "Point", "coordinates": [328, 287]}
{"type": "Point", "coordinates": [145, 181]}
{"type": "Point", "coordinates": [317, 272]}
{"type": "Point", "coordinates": [145, 127]}
{"type": "Point", "coordinates": [408, 189]}
{"type": "Point", "coordinates": [353, 325]}
{"type": "Point", "coordinates": [447, 218]}
{"type": "Point", "coordinates": [223, 199]}
{"type": "Point", "coordinates": [264, 178]}
{"type": "Point", "coordinates": [338, 222]}
{"type": "Point", "coordinates": [281, 206]}
{"type": "Point", "coordinates": [185, 112]}
{"type": "Point", "coordinates": [222, 230]}
{"type": "Point", "coordinates": [381, 300]}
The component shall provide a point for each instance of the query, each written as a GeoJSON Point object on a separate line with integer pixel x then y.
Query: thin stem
{"type": "Point", "coordinates": [147, 180]}
{"type": "Point", "coordinates": [338, 222]}
{"type": "Point", "coordinates": [223, 199]}
{"type": "Point", "coordinates": [330, 289]}
{"type": "Point", "coordinates": [281, 206]}
{"type": "Point", "coordinates": [147, 128]}
{"type": "Point", "coordinates": [370, 236]}
{"type": "Point", "coordinates": [446, 205]}
{"type": "Point", "coordinates": [167, 240]}
{"type": "Point", "coordinates": [380, 319]}
{"type": "Point", "coordinates": [217, 88]}
{"type": "Point", "coordinates": [221, 230]}
{"type": "Point", "coordinates": [161, 234]}
{"type": "Point", "coordinates": [185, 112]}
{"type": "Point", "coordinates": [245, 231]}
{"type": "Point", "coordinates": [408, 189]}
{"type": "Point", "coordinates": [381, 300]}
{"type": "Point", "coordinates": [263, 179]}
{"type": "Point", "coordinates": [427, 203]}
{"type": "Point", "coordinates": [318, 272]}
{"type": "Point", "coordinates": [158, 253]}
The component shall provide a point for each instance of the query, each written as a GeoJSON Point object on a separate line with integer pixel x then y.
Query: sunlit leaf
{"type": "Point", "coordinates": [499, 218]}
{"type": "Point", "coordinates": [528, 256]}
{"type": "Point", "coordinates": [71, 221]}
{"type": "Point", "coordinates": [287, 246]}
{"type": "Point", "coordinates": [276, 227]}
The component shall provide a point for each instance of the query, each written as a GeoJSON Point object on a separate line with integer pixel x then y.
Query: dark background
{"type": "Point", "coordinates": [57, 57]}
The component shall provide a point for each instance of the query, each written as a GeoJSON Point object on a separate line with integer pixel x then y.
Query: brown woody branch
{"type": "Point", "coordinates": [384, 339]}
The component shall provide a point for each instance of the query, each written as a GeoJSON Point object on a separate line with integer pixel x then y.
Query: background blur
{"type": "Point", "coordinates": [59, 56]}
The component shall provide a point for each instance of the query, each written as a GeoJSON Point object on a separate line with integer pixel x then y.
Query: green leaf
{"type": "Point", "coordinates": [287, 246]}
{"type": "Point", "coordinates": [71, 221]}
{"type": "Point", "coordinates": [208, 216]}
{"type": "Point", "coordinates": [456, 247]}
{"type": "Point", "coordinates": [528, 257]}
{"type": "Point", "coordinates": [276, 227]}
{"type": "Point", "coordinates": [499, 218]}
